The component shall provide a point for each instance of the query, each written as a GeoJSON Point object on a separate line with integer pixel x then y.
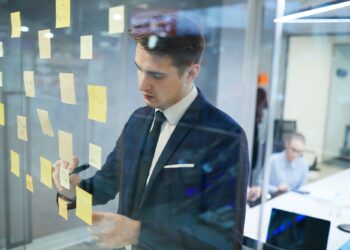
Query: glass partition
{"type": "Point", "coordinates": [68, 84]}
{"type": "Point", "coordinates": [305, 156]}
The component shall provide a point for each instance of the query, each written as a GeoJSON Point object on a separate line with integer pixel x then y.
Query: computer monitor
{"type": "Point", "coordinates": [293, 231]}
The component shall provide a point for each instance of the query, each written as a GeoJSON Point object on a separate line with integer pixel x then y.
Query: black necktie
{"type": "Point", "coordinates": [147, 157]}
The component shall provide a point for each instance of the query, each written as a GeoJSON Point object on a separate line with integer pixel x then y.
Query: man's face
{"type": "Point", "coordinates": [159, 81]}
{"type": "Point", "coordinates": [294, 149]}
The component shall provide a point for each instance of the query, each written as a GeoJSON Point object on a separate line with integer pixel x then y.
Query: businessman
{"type": "Point", "coordinates": [180, 165]}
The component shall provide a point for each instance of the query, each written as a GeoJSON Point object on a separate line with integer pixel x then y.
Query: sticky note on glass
{"type": "Point", "coordinates": [16, 24]}
{"type": "Point", "coordinates": [44, 44]}
{"type": "Point", "coordinates": [86, 47]}
{"type": "Point", "coordinates": [14, 157]}
{"type": "Point", "coordinates": [62, 13]}
{"type": "Point", "coordinates": [65, 146]}
{"type": "Point", "coordinates": [45, 123]}
{"type": "Point", "coordinates": [29, 88]}
{"type": "Point", "coordinates": [95, 155]}
{"type": "Point", "coordinates": [64, 177]}
{"type": "Point", "coordinates": [0, 79]}
{"type": "Point", "coordinates": [22, 128]}
{"type": "Point", "coordinates": [46, 172]}
{"type": "Point", "coordinates": [116, 20]}
{"type": "Point", "coordinates": [1, 50]}
{"type": "Point", "coordinates": [62, 208]}
{"type": "Point", "coordinates": [2, 114]}
{"type": "Point", "coordinates": [84, 205]}
{"type": "Point", "coordinates": [67, 88]}
{"type": "Point", "coordinates": [29, 183]}
{"type": "Point", "coordinates": [97, 103]}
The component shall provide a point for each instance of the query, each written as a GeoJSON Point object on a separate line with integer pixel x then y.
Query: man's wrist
{"type": "Point", "coordinates": [137, 230]}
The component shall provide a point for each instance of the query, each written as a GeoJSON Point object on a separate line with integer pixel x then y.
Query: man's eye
{"type": "Point", "coordinates": [157, 75]}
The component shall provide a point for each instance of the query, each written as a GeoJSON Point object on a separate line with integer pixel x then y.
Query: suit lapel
{"type": "Point", "coordinates": [139, 129]}
{"type": "Point", "coordinates": [186, 123]}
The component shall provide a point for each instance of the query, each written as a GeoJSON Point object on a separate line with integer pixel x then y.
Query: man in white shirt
{"type": "Point", "coordinates": [288, 169]}
{"type": "Point", "coordinates": [179, 163]}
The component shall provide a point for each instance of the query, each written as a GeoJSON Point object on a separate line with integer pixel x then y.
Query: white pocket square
{"type": "Point", "coordinates": [179, 166]}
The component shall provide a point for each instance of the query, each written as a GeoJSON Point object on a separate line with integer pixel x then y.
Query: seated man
{"type": "Point", "coordinates": [288, 169]}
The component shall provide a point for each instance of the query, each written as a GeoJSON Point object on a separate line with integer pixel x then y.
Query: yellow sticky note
{"type": "Point", "coordinates": [65, 145]}
{"type": "Point", "coordinates": [46, 172]}
{"type": "Point", "coordinates": [84, 205]}
{"type": "Point", "coordinates": [22, 128]}
{"type": "Point", "coordinates": [62, 13]}
{"type": "Point", "coordinates": [44, 44]}
{"type": "Point", "coordinates": [97, 103]}
{"type": "Point", "coordinates": [95, 153]}
{"type": "Point", "coordinates": [64, 177]}
{"type": "Point", "coordinates": [45, 123]}
{"type": "Point", "coordinates": [67, 88]}
{"type": "Point", "coordinates": [116, 20]}
{"type": "Point", "coordinates": [1, 50]}
{"type": "Point", "coordinates": [2, 114]}
{"type": "Point", "coordinates": [86, 47]}
{"type": "Point", "coordinates": [16, 24]}
{"type": "Point", "coordinates": [62, 208]}
{"type": "Point", "coordinates": [14, 162]}
{"type": "Point", "coordinates": [28, 78]}
{"type": "Point", "coordinates": [0, 79]}
{"type": "Point", "coordinates": [29, 183]}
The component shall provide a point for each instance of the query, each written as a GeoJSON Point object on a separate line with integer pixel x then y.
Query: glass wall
{"type": "Point", "coordinates": [304, 176]}
{"type": "Point", "coordinates": [68, 82]}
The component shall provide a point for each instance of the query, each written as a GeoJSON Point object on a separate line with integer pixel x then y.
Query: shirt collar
{"type": "Point", "coordinates": [174, 113]}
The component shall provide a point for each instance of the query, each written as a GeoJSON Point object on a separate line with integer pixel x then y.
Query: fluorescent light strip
{"type": "Point", "coordinates": [312, 12]}
{"type": "Point", "coordinates": [314, 20]}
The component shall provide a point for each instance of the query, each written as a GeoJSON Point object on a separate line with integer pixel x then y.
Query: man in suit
{"type": "Point", "coordinates": [180, 165]}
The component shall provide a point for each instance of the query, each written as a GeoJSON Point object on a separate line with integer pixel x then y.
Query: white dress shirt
{"type": "Point", "coordinates": [173, 115]}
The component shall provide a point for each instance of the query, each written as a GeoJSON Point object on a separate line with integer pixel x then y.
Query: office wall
{"type": "Point", "coordinates": [339, 102]}
{"type": "Point", "coordinates": [307, 85]}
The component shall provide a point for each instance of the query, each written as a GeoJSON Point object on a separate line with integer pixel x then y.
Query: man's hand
{"type": "Point", "coordinates": [74, 179]}
{"type": "Point", "coordinates": [253, 193]}
{"type": "Point", "coordinates": [283, 187]}
{"type": "Point", "coordinates": [111, 230]}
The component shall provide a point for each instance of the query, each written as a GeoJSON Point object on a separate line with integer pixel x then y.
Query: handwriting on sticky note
{"type": "Point", "coordinates": [95, 155]}
{"type": "Point", "coordinates": [45, 123]}
{"type": "Point", "coordinates": [2, 114]}
{"type": "Point", "coordinates": [62, 208]}
{"type": "Point", "coordinates": [86, 47]}
{"type": "Point", "coordinates": [29, 87]}
{"type": "Point", "coordinates": [116, 20]}
{"type": "Point", "coordinates": [44, 44]}
{"type": "Point", "coordinates": [97, 103]}
{"type": "Point", "coordinates": [29, 183]}
{"type": "Point", "coordinates": [84, 205]}
{"type": "Point", "coordinates": [67, 88]}
{"type": "Point", "coordinates": [22, 128]}
{"type": "Point", "coordinates": [45, 172]}
{"type": "Point", "coordinates": [62, 13]}
{"type": "Point", "coordinates": [65, 145]}
{"type": "Point", "coordinates": [64, 177]}
{"type": "Point", "coordinates": [1, 50]}
{"type": "Point", "coordinates": [16, 24]}
{"type": "Point", "coordinates": [14, 157]}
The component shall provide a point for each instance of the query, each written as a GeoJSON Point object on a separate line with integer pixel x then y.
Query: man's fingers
{"type": "Point", "coordinates": [97, 217]}
{"type": "Point", "coordinates": [56, 175]}
{"type": "Point", "coordinates": [73, 164]}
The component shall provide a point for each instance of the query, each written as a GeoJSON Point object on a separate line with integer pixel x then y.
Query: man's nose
{"type": "Point", "coordinates": [144, 81]}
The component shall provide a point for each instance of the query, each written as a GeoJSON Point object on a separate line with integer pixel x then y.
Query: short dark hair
{"type": "Point", "coordinates": [169, 35]}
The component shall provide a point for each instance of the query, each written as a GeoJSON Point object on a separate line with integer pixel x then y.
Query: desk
{"type": "Point", "coordinates": [329, 199]}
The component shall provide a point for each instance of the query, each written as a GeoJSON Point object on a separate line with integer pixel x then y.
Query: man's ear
{"type": "Point", "coordinates": [193, 72]}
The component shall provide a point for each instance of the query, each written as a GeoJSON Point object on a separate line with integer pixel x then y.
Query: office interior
{"type": "Point", "coordinates": [302, 63]}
